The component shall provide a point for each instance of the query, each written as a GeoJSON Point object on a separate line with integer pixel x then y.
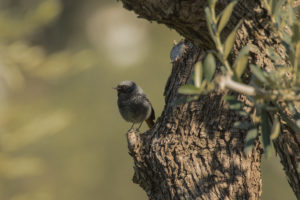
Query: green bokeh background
{"type": "Point", "coordinates": [61, 136]}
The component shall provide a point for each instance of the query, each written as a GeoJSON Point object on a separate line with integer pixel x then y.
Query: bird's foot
{"type": "Point", "coordinates": [131, 129]}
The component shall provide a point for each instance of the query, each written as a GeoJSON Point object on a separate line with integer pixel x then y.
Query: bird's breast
{"type": "Point", "coordinates": [135, 109]}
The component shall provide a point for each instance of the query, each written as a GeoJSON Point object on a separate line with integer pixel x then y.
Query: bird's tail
{"type": "Point", "coordinates": [150, 122]}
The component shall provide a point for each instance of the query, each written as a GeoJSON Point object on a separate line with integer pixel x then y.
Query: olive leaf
{"type": "Point", "coordinates": [209, 67]}
{"type": "Point", "coordinates": [230, 41]}
{"type": "Point", "coordinates": [225, 17]}
{"type": "Point", "coordinates": [188, 89]}
{"type": "Point", "coordinates": [265, 129]}
{"type": "Point", "coordinates": [241, 62]}
{"type": "Point", "coordinates": [275, 129]}
{"type": "Point", "coordinates": [249, 140]}
{"type": "Point", "coordinates": [198, 74]}
{"type": "Point", "coordinates": [210, 24]}
{"type": "Point", "coordinates": [276, 7]}
{"type": "Point", "coordinates": [212, 3]}
{"type": "Point", "coordinates": [258, 73]}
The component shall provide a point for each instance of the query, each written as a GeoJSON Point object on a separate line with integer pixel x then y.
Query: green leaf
{"type": "Point", "coordinates": [209, 22]}
{"type": "Point", "coordinates": [273, 54]}
{"type": "Point", "coordinates": [244, 52]}
{"type": "Point", "coordinates": [297, 62]}
{"type": "Point", "coordinates": [292, 15]}
{"type": "Point", "coordinates": [296, 32]}
{"type": "Point", "coordinates": [202, 86]}
{"type": "Point", "coordinates": [251, 134]}
{"type": "Point", "coordinates": [298, 75]}
{"type": "Point", "coordinates": [209, 67]}
{"type": "Point", "coordinates": [241, 66]}
{"type": "Point", "coordinates": [188, 89]}
{"type": "Point", "coordinates": [292, 109]}
{"type": "Point", "coordinates": [241, 62]}
{"type": "Point", "coordinates": [287, 39]}
{"type": "Point", "coordinates": [275, 129]}
{"type": "Point", "coordinates": [271, 5]}
{"type": "Point", "coordinates": [231, 99]}
{"type": "Point", "coordinates": [243, 113]}
{"type": "Point", "coordinates": [276, 7]}
{"type": "Point", "coordinates": [236, 106]}
{"type": "Point", "coordinates": [212, 3]}
{"type": "Point", "coordinates": [249, 140]}
{"type": "Point", "coordinates": [265, 129]}
{"type": "Point", "coordinates": [198, 74]}
{"type": "Point", "coordinates": [258, 73]}
{"type": "Point", "coordinates": [242, 125]}
{"type": "Point", "coordinates": [297, 123]}
{"type": "Point", "coordinates": [230, 40]}
{"type": "Point", "coordinates": [219, 16]}
{"type": "Point", "coordinates": [249, 146]}
{"type": "Point", "coordinates": [226, 15]}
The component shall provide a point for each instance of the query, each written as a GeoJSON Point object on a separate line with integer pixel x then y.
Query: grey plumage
{"type": "Point", "coordinates": [134, 105]}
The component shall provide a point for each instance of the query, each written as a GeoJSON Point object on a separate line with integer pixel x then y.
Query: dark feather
{"type": "Point", "coordinates": [150, 120]}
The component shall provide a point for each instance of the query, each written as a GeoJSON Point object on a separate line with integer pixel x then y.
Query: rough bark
{"type": "Point", "coordinates": [193, 152]}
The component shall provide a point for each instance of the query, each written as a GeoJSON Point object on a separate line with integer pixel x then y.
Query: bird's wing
{"type": "Point", "coordinates": [152, 116]}
{"type": "Point", "coordinates": [150, 121]}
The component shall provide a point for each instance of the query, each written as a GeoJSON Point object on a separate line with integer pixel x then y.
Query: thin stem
{"type": "Point", "coordinates": [219, 45]}
{"type": "Point", "coordinates": [227, 82]}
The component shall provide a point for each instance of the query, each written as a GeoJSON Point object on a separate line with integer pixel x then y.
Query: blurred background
{"type": "Point", "coordinates": [61, 136]}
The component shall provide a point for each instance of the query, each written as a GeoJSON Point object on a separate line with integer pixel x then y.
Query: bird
{"type": "Point", "coordinates": [134, 105]}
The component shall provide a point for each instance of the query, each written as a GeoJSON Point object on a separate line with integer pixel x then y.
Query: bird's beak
{"type": "Point", "coordinates": [115, 88]}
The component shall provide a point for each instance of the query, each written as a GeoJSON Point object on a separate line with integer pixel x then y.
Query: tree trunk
{"type": "Point", "coordinates": [193, 151]}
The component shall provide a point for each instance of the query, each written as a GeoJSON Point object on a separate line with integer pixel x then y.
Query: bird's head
{"type": "Point", "coordinates": [126, 87]}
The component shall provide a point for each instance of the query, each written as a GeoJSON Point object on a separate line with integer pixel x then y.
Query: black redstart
{"type": "Point", "coordinates": [134, 105]}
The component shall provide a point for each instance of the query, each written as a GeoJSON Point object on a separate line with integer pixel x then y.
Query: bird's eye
{"type": "Point", "coordinates": [123, 88]}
